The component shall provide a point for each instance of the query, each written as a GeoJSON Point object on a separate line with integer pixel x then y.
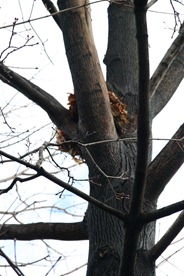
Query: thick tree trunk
{"type": "Point", "coordinates": [106, 233]}
{"type": "Point", "coordinates": [109, 153]}
{"type": "Point", "coordinates": [111, 164]}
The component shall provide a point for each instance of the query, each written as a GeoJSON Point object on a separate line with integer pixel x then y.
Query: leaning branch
{"type": "Point", "coordinates": [58, 114]}
{"type": "Point", "coordinates": [166, 240]}
{"type": "Point", "coordinates": [168, 75]}
{"type": "Point", "coordinates": [34, 231]}
{"type": "Point", "coordinates": [41, 172]}
{"type": "Point", "coordinates": [165, 165]}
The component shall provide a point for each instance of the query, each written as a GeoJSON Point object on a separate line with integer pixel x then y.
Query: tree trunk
{"type": "Point", "coordinates": [114, 146]}
{"type": "Point", "coordinates": [111, 164]}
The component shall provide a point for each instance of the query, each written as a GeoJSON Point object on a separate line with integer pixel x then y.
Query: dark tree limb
{"type": "Point", "coordinates": [41, 172]}
{"type": "Point", "coordinates": [143, 134]}
{"type": "Point", "coordinates": [16, 179]}
{"type": "Point", "coordinates": [34, 231]}
{"type": "Point", "coordinates": [165, 165]}
{"type": "Point", "coordinates": [58, 114]}
{"type": "Point", "coordinates": [168, 237]}
{"type": "Point", "coordinates": [168, 75]}
{"type": "Point", "coordinates": [163, 212]}
{"type": "Point", "coordinates": [52, 9]}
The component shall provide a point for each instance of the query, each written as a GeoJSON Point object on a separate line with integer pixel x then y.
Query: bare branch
{"type": "Point", "coordinates": [59, 182]}
{"type": "Point", "coordinates": [74, 270]}
{"type": "Point", "coordinates": [5, 121]}
{"type": "Point", "coordinates": [53, 266]}
{"type": "Point", "coordinates": [10, 48]}
{"type": "Point", "coordinates": [34, 231]}
{"type": "Point", "coordinates": [57, 12]}
{"type": "Point", "coordinates": [168, 75]}
{"type": "Point", "coordinates": [163, 212]}
{"type": "Point", "coordinates": [176, 15]}
{"type": "Point", "coordinates": [13, 266]}
{"type": "Point", "coordinates": [3, 191]}
{"type": "Point", "coordinates": [168, 237]}
{"type": "Point", "coordinates": [58, 114]}
{"type": "Point", "coordinates": [165, 165]}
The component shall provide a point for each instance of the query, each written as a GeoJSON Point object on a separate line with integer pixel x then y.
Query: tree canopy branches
{"type": "Point", "coordinates": [124, 187]}
{"type": "Point", "coordinates": [58, 114]}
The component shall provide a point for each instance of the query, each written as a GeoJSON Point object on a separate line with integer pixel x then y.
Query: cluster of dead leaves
{"type": "Point", "coordinates": [66, 145]}
{"type": "Point", "coordinates": [119, 113]}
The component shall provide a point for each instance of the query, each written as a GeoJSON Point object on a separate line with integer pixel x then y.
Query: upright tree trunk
{"type": "Point", "coordinates": [111, 164]}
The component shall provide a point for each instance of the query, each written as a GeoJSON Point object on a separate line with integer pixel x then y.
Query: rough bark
{"type": "Point", "coordinates": [96, 121]}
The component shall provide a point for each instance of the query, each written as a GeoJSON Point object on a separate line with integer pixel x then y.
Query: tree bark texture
{"type": "Point", "coordinates": [112, 164]}
{"type": "Point", "coordinates": [110, 152]}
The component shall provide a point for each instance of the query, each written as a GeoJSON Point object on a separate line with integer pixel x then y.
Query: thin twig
{"type": "Point", "coordinates": [3, 191]}
{"type": "Point", "coordinates": [41, 172]}
{"type": "Point", "coordinates": [53, 265]}
{"type": "Point", "coordinates": [13, 266]}
{"type": "Point", "coordinates": [55, 13]}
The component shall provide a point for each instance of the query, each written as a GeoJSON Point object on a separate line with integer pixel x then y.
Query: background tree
{"type": "Point", "coordinates": [108, 125]}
